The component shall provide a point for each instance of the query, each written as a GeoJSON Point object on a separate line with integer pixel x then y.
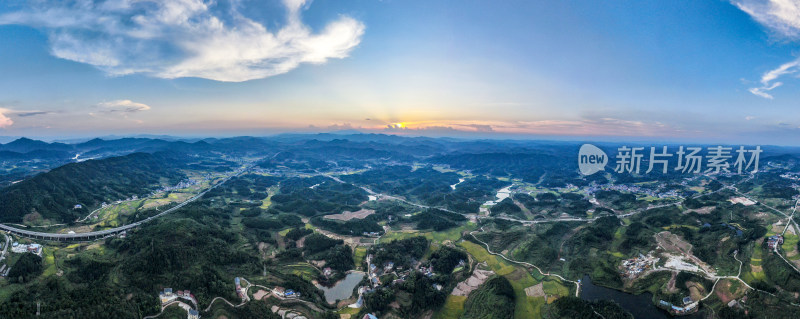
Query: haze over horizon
{"type": "Point", "coordinates": [717, 71]}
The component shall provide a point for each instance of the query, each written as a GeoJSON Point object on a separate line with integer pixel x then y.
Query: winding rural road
{"type": "Point", "coordinates": [577, 284]}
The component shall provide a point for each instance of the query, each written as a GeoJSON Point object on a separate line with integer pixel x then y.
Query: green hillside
{"type": "Point", "coordinates": [54, 194]}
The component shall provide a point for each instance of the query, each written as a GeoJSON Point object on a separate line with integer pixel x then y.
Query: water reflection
{"type": "Point", "coordinates": [640, 306]}
{"type": "Point", "coordinates": [342, 289]}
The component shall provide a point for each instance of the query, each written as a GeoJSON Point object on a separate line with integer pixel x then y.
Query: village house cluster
{"type": "Point", "coordinates": [18, 248]}
{"type": "Point", "coordinates": [27, 248]}
{"type": "Point", "coordinates": [168, 297]}
{"type": "Point", "coordinates": [240, 291]}
{"type": "Point", "coordinates": [774, 242]}
{"type": "Point", "coordinates": [374, 273]}
{"type": "Point", "coordinates": [181, 185]}
{"type": "Point", "coordinates": [791, 176]}
{"type": "Point", "coordinates": [633, 267]}
{"type": "Point", "coordinates": [633, 189]}
{"type": "Point", "coordinates": [372, 234]}
{"type": "Point", "coordinates": [739, 304]}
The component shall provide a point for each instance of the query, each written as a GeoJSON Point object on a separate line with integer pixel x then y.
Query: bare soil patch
{"type": "Point", "coordinates": [673, 243]}
{"type": "Point", "coordinates": [726, 292]}
{"type": "Point", "coordinates": [671, 284]}
{"type": "Point", "coordinates": [535, 290]}
{"type": "Point", "coordinates": [479, 276]}
{"type": "Point", "coordinates": [681, 248]}
{"type": "Point", "coordinates": [345, 216]}
{"type": "Point", "coordinates": [778, 226]}
{"type": "Point", "coordinates": [704, 210]}
{"type": "Point", "coordinates": [260, 294]}
{"type": "Point", "coordinates": [723, 291]}
{"type": "Point", "coordinates": [696, 291]}
{"type": "Point", "coordinates": [791, 230]}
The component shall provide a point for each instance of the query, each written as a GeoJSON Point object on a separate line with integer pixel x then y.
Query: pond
{"type": "Point", "coordinates": [640, 306]}
{"type": "Point", "coordinates": [342, 289]}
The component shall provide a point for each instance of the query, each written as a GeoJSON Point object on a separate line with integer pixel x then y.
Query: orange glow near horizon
{"type": "Point", "coordinates": [601, 127]}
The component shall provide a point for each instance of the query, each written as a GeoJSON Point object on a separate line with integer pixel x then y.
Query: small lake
{"type": "Point", "coordinates": [640, 306]}
{"type": "Point", "coordinates": [342, 289]}
{"type": "Point", "coordinates": [502, 194]}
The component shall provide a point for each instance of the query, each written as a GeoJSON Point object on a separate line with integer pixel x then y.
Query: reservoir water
{"type": "Point", "coordinates": [502, 194]}
{"type": "Point", "coordinates": [640, 306]}
{"type": "Point", "coordinates": [460, 180]}
{"type": "Point", "coordinates": [342, 289]}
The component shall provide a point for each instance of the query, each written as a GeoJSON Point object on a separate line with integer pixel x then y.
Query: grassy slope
{"type": "Point", "coordinates": [520, 278]}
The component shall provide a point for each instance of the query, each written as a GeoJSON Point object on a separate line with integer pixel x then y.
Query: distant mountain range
{"type": "Point", "coordinates": [49, 178]}
{"type": "Point", "coordinates": [57, 153]}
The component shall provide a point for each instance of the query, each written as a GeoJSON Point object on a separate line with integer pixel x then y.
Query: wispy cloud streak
{"type": "Point", "coordinates": [769, 80]}
{"type": "Point", "coordinates": [123, 106]}
{"type": "Point", "coordinates": [782, 18]}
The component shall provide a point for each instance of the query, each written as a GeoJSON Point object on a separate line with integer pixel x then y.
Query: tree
{"type": "Point", "coordinates": [28, 266]}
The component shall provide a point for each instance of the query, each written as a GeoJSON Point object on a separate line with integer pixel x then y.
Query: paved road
{"type": "Point", "coordinates": [106, 232]}
{"type": "Point", "coordinates": [164, 307]}
{"type": "Point", "coordinates": [226, 301]}
{"type": "Point", "coordinates": [789, 222]}
{"type": "Point", "coordinates": [791, 219]}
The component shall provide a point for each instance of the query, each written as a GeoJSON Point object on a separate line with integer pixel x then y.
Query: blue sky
{"type": "Point", "coordinates": [711, 71]}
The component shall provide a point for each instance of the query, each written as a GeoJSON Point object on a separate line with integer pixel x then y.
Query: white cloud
{"type": "Point", "coordinates": [5, 121]}
{"type": "Point", "coordinates": [769, 80]}
{"type": "Point", "coordinates": [123, 106]}
{"type": "Point", "coordinates": [782, 17]}
{"type": "Point", "coordinates": [184, 38]}
{"type": "Point", "coordinates": [479, 127]}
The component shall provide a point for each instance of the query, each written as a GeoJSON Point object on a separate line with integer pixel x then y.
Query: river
{"type": "Point", "coordinates": [640, 306]}
{"type": "Point", "coordinates": [343, 289]}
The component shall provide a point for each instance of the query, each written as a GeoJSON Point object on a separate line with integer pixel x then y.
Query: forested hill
{"type": "Point", "coordinates": [54, 194]}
